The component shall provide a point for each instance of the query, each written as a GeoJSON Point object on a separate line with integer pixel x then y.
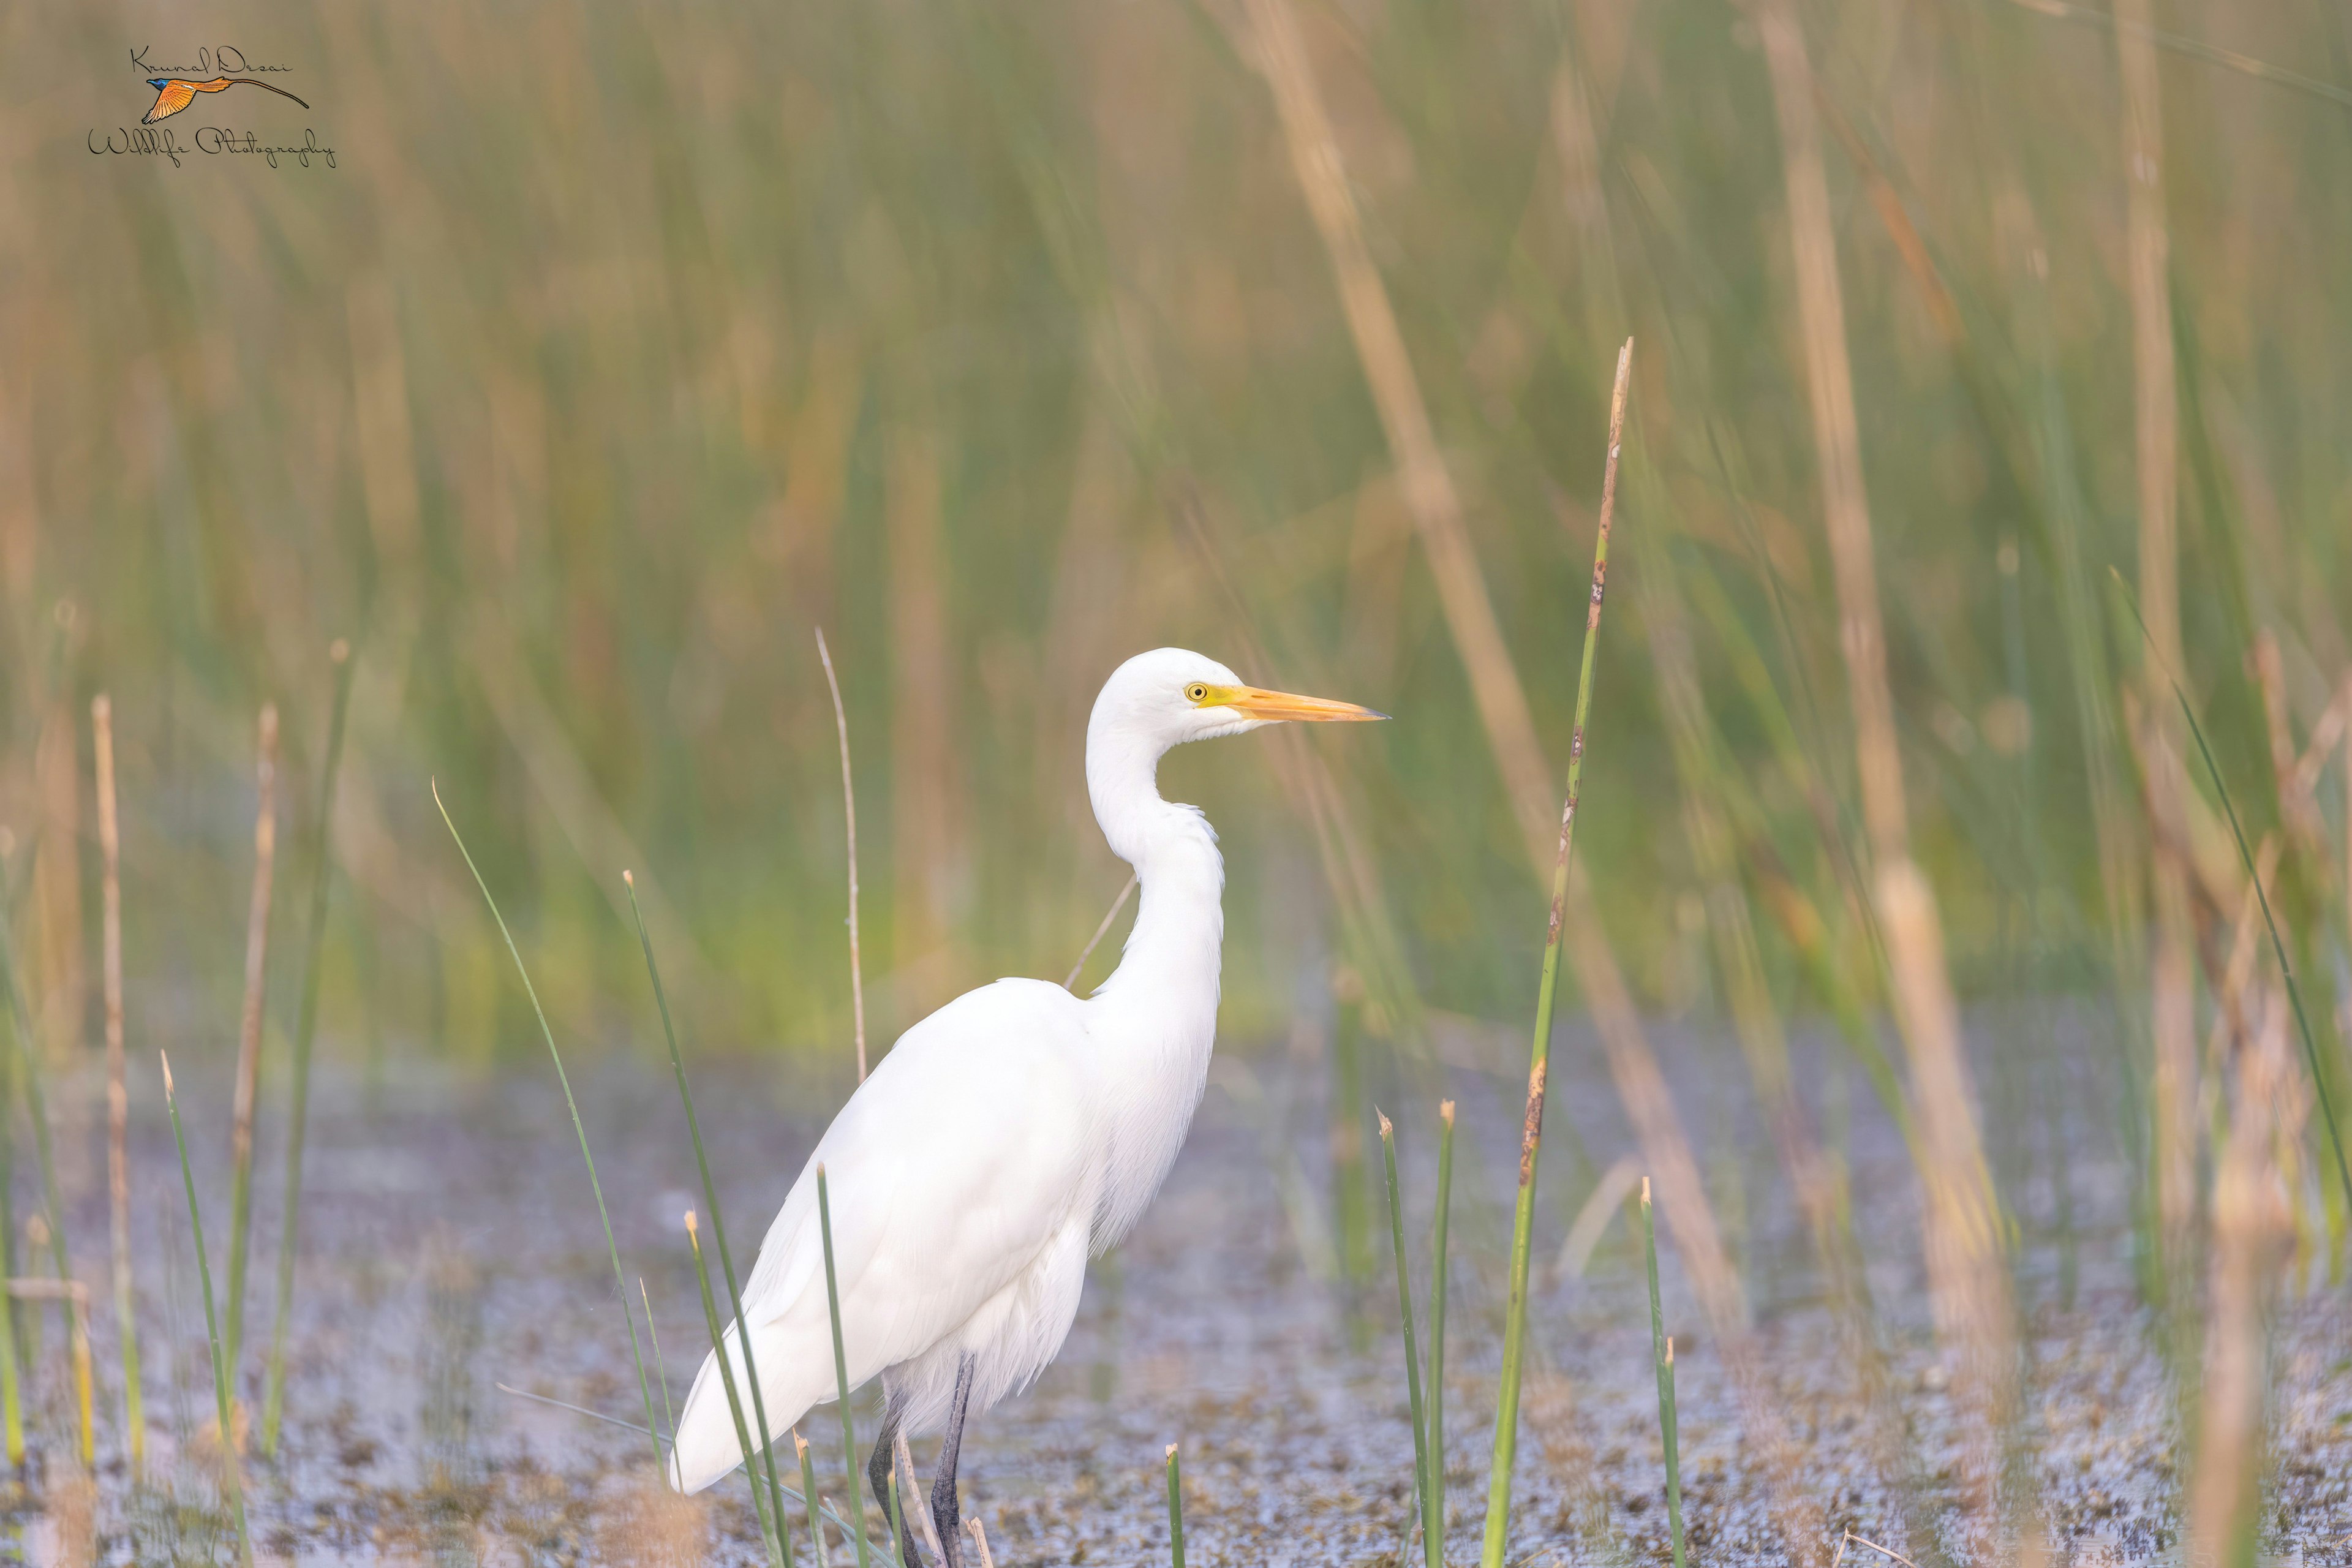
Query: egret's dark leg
{"type": "Point", "coordinates": [943, 1486]}
{"type": "Point", "coordinates": [878, 1474]}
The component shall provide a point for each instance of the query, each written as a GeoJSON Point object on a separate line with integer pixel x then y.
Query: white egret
{"type": "Point", "coordinates": [1010, 1136]}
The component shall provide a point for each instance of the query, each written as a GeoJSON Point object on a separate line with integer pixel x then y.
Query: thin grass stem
{"type": "Point", "coordinates": [771, 1525]}
{"type": "Point", "coordinates": [709, 1198]}
{"type": "Point", "coordinates": [1175, 1511]}
{"type": "Point", "coordinates": [2270, 924]}
{"type": "Point", "coordinates": [645, 1390]}
{"type": "Point", "coordinates": [1433, 1527]}
{"type": "Point", "coordinates": [118, 1094]}
{"type": "Point", "coordinates": [1515, 1322]}
{"type": "Point", "coordinates": [661, 1369]}
{"type": "Point", "coordinates": [1070, 982]}
{"type": "Point", "coordinates": [824, 1509]}
{"type": "Point", "coordinates": [840, 1356]}
{"type": "Point", "coordinates": [1411, 1339]}
{"type": "Point", "coordinates": [230, 1483]}
{"type": "Point", "coordinates": [248, 1049]}
{"type": "Point", "coordinates": [1662, 1355]}
{"type": "Point", "coordinates": [306, 1028]}
{"type": "Point", "coordinates": [849, 812]}
{"type": "Point", "coordinates": [808, 1490]}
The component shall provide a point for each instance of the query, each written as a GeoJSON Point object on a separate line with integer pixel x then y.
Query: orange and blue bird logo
{"type": "Point", "coordinates": [174, 93]}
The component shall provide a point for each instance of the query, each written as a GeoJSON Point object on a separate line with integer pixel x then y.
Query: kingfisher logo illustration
{"type": "Point", "coordinates": [174, 93]}
{"type": "Point", "coordinates": [177, 87]}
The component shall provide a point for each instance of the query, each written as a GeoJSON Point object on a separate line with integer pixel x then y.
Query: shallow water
{"type": "Point", "coordinates": [452, 1246]}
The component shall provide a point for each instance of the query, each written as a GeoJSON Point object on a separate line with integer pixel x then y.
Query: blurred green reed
{"type": "Point", "coordinates": [765, 317]}
{"type": "Point", "coordinates": [306, 1025]}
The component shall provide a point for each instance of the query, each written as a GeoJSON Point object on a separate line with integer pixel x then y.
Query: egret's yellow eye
{"type": "Point", "coordinates": [1196, 692]}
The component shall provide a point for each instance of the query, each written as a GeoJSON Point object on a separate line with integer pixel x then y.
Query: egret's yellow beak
{"type": "Point", "coordinates": [1271, 706]}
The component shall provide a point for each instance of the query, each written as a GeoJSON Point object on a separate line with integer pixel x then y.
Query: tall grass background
{"type": "Point", "coordinates": [622, 347]}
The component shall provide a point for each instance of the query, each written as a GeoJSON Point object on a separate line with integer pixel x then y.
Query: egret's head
{"type": "Point", "coordinates": [1172, 695]}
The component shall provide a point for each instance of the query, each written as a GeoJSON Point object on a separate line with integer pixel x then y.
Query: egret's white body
{"type": "Point", "coordinates": [1014, 1134]}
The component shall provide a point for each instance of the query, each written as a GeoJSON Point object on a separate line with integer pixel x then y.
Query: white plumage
{"type": "Point", "coordinates": [1014, 1134]}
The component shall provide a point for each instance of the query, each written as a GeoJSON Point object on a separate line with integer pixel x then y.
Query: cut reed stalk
{"type": "Point", "coordinates": [980, 1538]}
{"type": "Point", "coordinates": [710, 1199]}
{"type": "Point", "coordinates": [1515, 1322]}
{"type": "Point", "coordinates": [849, 811]}
{"type": "Point", "coordinates": [1412, 1341]}
{"type": "Point", "coordinates": [840, 1358]}
{"type": "Point", "coordinates": [1434, 1525]}
{"type": "Point", "coordinates": [595, 1187]}
{"type": "Point", "coordinates": [1662, 1355]}
{"type": "Point", "coordinates": [773, 1534]}
{"type": "Point", "coordinates": [1175, 1510]}
{"type": "Point", "coordinates": [231, 1486]}
{"type": "Point", "coordinates": [118, 1094]}
{"type": "Point", "coordinates": [899, 1522]}
{"type": "Point", "coordinates": [248, 1049]}
{"type": "Point", "coordinates": [905, 1460]}
{"type": "Point", "coordinates": [306, 1028]}
{"type": "Point", "coordinates": [2251, 1223]}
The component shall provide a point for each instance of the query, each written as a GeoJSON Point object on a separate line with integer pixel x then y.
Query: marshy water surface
{"type": "Point", "coordinates": [453, 1247]}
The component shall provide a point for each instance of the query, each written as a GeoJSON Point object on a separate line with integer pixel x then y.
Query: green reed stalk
{"type": "Point", "coordinates": [2270, 924]}
{"type": "Point", "coordinates": [661, 1369]}
{"type": "Point", "coordinates": [1662, 1355]}
{"type": "Point", "coordinates": [644, 1389]}
{"type": "Point", "coordinates": [229, 1481]}
{"type": "Point", "coordinates": [1175, 1510]}
{"type": "Point", "coordinates": [808, 1498]}
{"type": "Point", "coordinates": [772, 1527]}
{"type": "Point", "coordinates": [1515, 1322]}
{"type": "Point", "coordinates": [306, 1028]}
{"type": "Point", "coordinates": [840, 1359]}
{"type": "Point", "coordinates": [1434, 1525]}
{"type": "Point", "coordinates": [709, 1198]}
{"type": "Point", "coordinates": [1412, 1337]}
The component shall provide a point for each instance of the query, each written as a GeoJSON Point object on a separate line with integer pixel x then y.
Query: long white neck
{"type": "Point", "coordinates": [1155, 1019]}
